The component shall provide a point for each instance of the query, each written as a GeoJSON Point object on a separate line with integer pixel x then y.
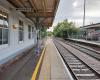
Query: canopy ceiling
{"type": "Point", "coordinates": [45, 10]}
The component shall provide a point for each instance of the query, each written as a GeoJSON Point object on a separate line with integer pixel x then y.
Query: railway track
{"type": "Point", "coordinates": [78, 69]}
{"type": "Point", "coordinates": [87, 50]}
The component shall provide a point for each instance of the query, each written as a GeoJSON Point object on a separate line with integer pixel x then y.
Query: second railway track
{"type": "Point", "coordinates": [93, 53]}
{"type": "Point", "coordinates": [79, 70]}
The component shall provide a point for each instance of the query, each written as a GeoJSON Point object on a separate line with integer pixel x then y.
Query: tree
{"type": "Point", "coordinates": [49, 33]}
{"type": "Point", "coordinates": [43, 32]}
{"type": "Point", "coordinates": [65, 29]}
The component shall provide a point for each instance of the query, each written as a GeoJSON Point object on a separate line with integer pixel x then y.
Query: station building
{"type": "Point", "coordinates": [19, 24]}
{"type": "Point", "coordinates": [17, 33]}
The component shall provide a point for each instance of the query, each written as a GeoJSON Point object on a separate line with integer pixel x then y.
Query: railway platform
{"type": "Point", "coordinates": [95, 43]}
{"type": "Point", "coordinates": [53, 67]}
{"type": "Point", "coordinates": [22, 66]}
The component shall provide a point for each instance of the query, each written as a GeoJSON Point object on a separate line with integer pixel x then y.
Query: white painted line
{"type": "Point", "coordinates": [66, 68]}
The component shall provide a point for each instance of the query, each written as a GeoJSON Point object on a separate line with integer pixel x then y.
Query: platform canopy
{"type": "Point", "coordinates": [45, 10]}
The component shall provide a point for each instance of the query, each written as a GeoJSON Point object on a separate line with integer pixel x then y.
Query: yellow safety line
{"type": "Point", "coordinates": [38, 65]}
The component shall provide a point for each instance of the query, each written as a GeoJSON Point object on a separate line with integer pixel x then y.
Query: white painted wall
{"type": "Point", "coordinates": [14, 47]}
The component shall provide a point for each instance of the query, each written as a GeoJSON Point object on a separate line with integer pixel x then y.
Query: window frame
{"type": "Point", "coordinates": [32, 32]}
{"type": "Point", "coordinates": [29, 32]}
{"type": "Point", "coordinates": [21, 29]}
{"type": "Point", "coordinates": [5, 18]}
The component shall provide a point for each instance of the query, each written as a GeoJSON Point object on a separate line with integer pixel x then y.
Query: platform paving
{"type": "Point", "coordinates": [53, 67]}
{"type": "Point", "coordinates": [21, 69]}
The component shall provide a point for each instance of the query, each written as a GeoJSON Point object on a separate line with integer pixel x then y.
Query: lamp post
{"type": "Point", "coordinates": [84, 15]}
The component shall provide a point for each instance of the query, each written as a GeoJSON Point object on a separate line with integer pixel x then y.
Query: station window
{"type": "Point", "coordinates": [3, 28]}
{"type": "Point", "coordinates": [29, 31]}
{"type": "Point", "coordinates": [21, 31]}
{"type": "Point", "coordinates": [32, 32]}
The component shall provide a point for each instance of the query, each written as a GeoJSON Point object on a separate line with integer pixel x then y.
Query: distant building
{"type": "Point", "coordinates": [92, 31]}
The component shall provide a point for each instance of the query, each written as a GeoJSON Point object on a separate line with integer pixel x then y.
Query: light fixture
{"type": "Point", "coordinates": [15, 26]}
{"type": "Point", "coordinates": [75, 4]}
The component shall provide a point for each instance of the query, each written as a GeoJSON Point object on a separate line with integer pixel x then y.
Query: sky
{"type": "Point", "coordinates": [73, 11]}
